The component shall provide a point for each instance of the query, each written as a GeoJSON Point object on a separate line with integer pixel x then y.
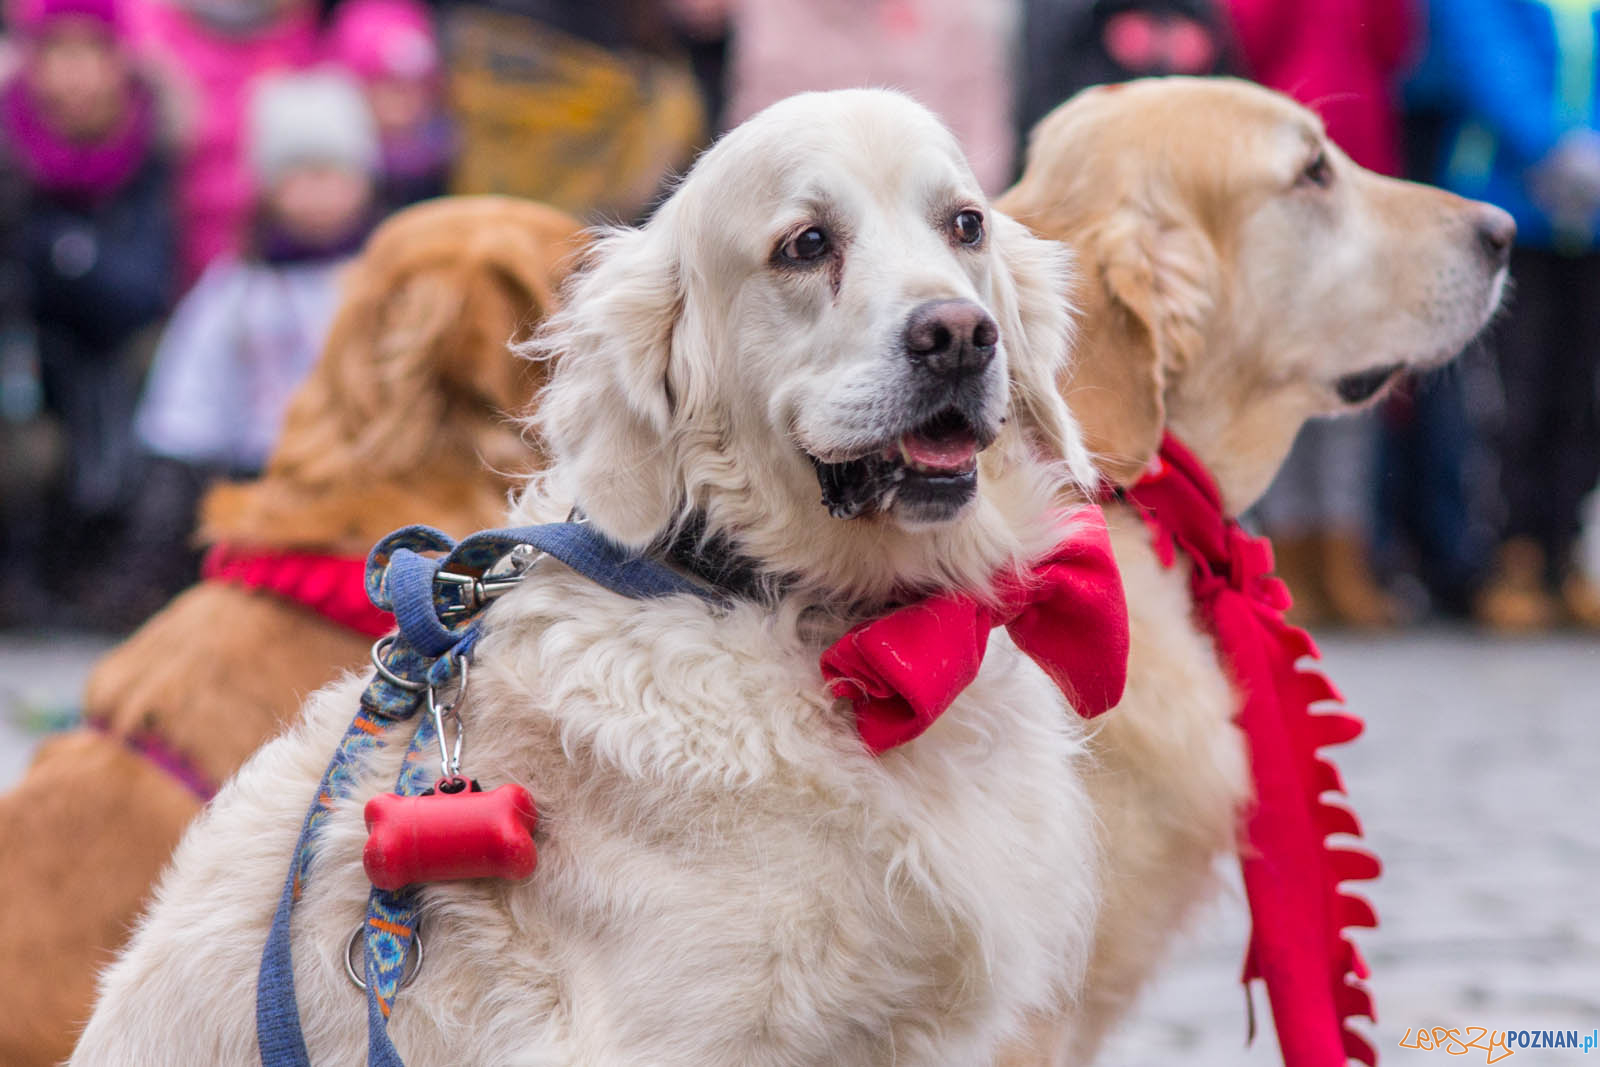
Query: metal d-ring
{"type": "Point", "coordinates": [379, 647]}
{"type": "Point", "coordinates": [350, 968]}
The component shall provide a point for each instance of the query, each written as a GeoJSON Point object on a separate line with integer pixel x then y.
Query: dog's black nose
{"type": "Point", "coordinates": [1496, 233]}
{"type": "Point", "coordinates": [950, 338]}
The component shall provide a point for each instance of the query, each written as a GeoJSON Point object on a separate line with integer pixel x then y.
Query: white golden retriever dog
{"type": "Point", "coordinates": [726, 876]}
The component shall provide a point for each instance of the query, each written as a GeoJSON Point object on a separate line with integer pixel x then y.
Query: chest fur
{"type": "Point", "coordinates": [724, 869]}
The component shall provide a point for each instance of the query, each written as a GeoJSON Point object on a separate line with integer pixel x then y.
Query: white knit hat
{"type": "Point", "coordinates": [320, 117]}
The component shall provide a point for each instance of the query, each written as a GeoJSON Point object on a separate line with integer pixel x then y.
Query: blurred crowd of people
{"type": "Point", "coordinates": [180, 181]}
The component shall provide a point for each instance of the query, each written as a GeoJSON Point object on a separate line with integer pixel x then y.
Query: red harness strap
{"type": "Point", "coordinates": [1291, 874]}
{"type": "Point", "coordinates": [332, 586]}
{"type": "Point", "coordinates": [1068, 613]}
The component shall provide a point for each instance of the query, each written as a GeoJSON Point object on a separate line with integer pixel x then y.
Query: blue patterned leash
{"type": "Point", "coordinates": [438, 611]}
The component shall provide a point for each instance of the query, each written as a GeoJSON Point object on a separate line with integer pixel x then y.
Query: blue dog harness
{"type": "Point", "coordinates": [437, 602]}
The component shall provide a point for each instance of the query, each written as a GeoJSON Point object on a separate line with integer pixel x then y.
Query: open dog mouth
{"type": "Point", "coordinates": [930, 470]}
{"type": "Point", "coordinates": [1362, 386]}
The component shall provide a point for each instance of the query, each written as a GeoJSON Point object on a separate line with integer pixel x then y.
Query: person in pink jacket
{"type": "Point", "coordinates": [209, 53]}
{"type": "Point", "coordinates": [389, 45]}
{"type": "Point", "coordinates": [952, 55]}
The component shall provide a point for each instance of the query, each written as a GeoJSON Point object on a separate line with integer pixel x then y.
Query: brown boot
{"type": "Point", "coordinates": [1299, 564]}
{"type": "Point", "coordinates": [1515, 599]}
{"type": "Point", "coordinates": [1581, 597]}
{"type": "Point", "coordinates": [1354, 596]}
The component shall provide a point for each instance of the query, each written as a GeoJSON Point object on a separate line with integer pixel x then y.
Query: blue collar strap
{"type": "Point", "coordinates": [438, 609]}
{"type": "Point", "coordinates": [403, 581]}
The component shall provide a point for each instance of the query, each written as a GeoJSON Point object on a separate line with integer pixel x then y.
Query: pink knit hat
{"type": "Point", "coordinates": [32, 17]}
{"type": "Point", "coordinates": [384, 39]}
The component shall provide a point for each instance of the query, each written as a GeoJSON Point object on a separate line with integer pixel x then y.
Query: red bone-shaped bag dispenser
{"type": "Point", "coordinates": [448, 835]}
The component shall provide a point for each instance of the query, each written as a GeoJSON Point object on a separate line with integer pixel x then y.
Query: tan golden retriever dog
{"type": "Point", "coordinates": [403, 419]}
{"type": "Point", "coordinates": [1239, 275]}
{"type": "Point", "coordinates": [826, 306]}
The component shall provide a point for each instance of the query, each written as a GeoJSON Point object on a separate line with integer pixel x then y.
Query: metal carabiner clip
{"type": "Point", "coordinates": [449, 754]}
{"type": "Point", "coordinates": [472, 594]}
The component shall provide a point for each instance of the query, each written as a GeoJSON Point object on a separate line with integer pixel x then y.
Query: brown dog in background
{"type": "Point", "coordinates": [1238, 275]}
{"type": "Point", "coordinates": [403, 420]}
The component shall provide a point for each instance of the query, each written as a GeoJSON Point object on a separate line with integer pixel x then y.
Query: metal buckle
{"type": "Point", "coordinates": [471, 594]}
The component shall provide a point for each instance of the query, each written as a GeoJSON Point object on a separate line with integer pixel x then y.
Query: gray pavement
{"type": "Point", "coordinates": [1478, 782]}
{"type": "Point", "coordinates": [41, 685]}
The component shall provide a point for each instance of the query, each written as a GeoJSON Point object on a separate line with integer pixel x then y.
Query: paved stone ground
{"type": "Point", "coordinates": [41, 680]}
{"type": "Point", "coordinates": [1478, 781]}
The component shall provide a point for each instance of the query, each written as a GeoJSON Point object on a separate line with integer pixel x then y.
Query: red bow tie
{"type": "Point", "coordinates": [902, 671]}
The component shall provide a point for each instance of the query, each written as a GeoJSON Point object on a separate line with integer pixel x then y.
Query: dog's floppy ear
{"type": "Point", "coordinates": [608, 413]}
{"type": "Point", "coordinates": [511, 286]}
{"type": "Point", "coordinates": [415, 384]}
{"type": "Point", "coordinates": [417, 350]}
{"type": "Point", "coordinates": [1148, 276]}
{"type": "Point", "coordinates": [374, 398]}
{"type": "Point", "coordinates": [1147, 289]}
{"type": "Point", "coordinates": [1036, 322]}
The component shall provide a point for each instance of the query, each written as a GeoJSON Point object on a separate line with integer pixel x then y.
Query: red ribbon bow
{"type": "Point", "coordinates": [332, 586]}
{"type": "Point", "coordinates": [1068, 613]}
{"type": "Point", "coordinates": [1291, 875]}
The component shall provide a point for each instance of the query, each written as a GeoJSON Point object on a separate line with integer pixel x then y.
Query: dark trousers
{"type": "Point", "coordinates": [1549, 353]}
{"type": "Point", "coordinates": [1436, 513]}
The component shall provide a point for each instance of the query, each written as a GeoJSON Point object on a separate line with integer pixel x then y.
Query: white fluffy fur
{"type": "Point", "coordinates": [706, 367]}
{"type": "Point", "coordinates": [726, 876]}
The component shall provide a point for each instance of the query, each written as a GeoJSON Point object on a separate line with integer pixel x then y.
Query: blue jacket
{"type": "Point", "coordinates": [1511, 76]}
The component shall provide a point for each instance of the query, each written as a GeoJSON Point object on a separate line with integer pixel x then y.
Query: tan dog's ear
{"type": "Point", "coordinates": [1148, 288]}
{"type": "Point", "coordinates": [607, 416]}
{"type": "Point", "coordinates": [1037, 327]}
{"type": "Point", "coordinates": [421, 335]}
{"type": "Point", "coordinates": [416, 382]}
{"type": "Point", "coordinates": [380, 393]}
{"type": "Point", "coordinates": [513, 287]}
{"type": "Point", "coordinates": [371, 398]}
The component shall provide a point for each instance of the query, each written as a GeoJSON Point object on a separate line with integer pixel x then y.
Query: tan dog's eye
{"type": "Point", "coordinates": [968, 226]}
{"type": "Point", "coordinates": [1318, 172]}
{"type": "Point", "coordinates": [806, 246]}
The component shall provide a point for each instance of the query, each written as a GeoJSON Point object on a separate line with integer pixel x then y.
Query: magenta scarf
{"type": "Point", "coordinates": [88, 171]}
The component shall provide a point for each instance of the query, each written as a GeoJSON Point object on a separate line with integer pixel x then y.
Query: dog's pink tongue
{"type": "Point", "coordinates": [956, 452]}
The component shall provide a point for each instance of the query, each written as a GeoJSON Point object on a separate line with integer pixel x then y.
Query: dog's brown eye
{"type": "Point", "coordinates": [805, 246]}
{"type": "Point", "coordinates": [1318, 172]}
{"type": "Point", "coordinates": [968, 227]}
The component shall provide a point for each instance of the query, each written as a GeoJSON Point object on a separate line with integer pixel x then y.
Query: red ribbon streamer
{"type": "Point", "coordinates": [1299, 915]}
